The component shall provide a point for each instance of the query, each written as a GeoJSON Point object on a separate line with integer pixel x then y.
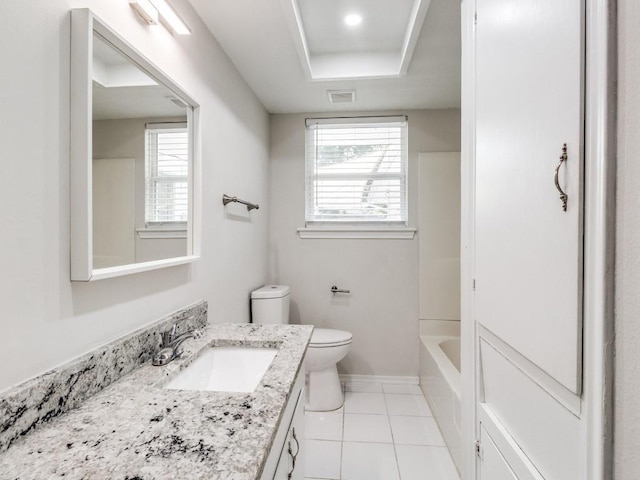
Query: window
{"type": "Point", "coordinates": [356, 171]}
{"type": "Point", "coordinates": [167, 173]}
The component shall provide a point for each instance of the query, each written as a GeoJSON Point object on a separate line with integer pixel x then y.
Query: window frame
{"type": "Point", "coordinates": [356, 227]}
{"type": "Point", "coordinates": [178, 227]}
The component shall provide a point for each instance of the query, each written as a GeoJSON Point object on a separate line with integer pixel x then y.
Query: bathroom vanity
{"type": "Point", "coordinates": [110, 415]}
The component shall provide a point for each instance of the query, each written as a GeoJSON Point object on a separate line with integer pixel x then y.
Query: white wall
{"type": "Point", "coordinates": [439, 239]}
{"type": "Point", "coordinates": [627, 301]}
{"type": "Point", "coordinates": [382, 310]}
{"type": "Point", "coordinates": [45, 319]}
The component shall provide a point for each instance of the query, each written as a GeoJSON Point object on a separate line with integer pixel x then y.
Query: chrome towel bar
{"type": "Point", "coordinates": [250, 206]}
{"type": "Point", "coordinates": [335, 289]}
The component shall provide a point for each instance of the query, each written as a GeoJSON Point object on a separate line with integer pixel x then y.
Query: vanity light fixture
{"type": "Point", "coordinates": [151, 10]}
{"type": "Point", "coordinates": [353, 19]}
{"type": "Point", "coordinates": [170, 18]}
{"type": "Point", "coordinates": [147, 11]}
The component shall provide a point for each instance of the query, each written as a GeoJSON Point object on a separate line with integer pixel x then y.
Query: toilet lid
{"type": "Point", "coordinates": [270, 291]}
{"type": "Point", "coordinates": [327, 337]}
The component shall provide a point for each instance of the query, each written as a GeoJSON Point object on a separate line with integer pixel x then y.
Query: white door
{"type": "Point", "coordinates": [113, 212]}
{"type": "Point", "coordinates": [529, 94]}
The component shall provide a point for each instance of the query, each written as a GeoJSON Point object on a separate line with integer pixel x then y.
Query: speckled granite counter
{"type": "Point", "coordinates": [133, 429]}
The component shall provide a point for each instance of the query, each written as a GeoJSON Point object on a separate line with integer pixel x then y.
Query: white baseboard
{"type": "Point", "coordinates": [408, 380]}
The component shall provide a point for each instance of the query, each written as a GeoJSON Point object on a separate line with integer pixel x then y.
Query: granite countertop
{"type": "Point", "coordinates": [135, 430]}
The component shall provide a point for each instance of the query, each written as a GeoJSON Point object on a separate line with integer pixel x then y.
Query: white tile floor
{"type": "Point", "coordinates": [383, 432]}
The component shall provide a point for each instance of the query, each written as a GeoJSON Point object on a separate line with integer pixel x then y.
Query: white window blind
{"type": "Point", "coordinates": [356, 171]}
{"type": "Point", "coordinates": [167, 174]}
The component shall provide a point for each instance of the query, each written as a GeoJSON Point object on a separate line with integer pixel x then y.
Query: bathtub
{"type": "Point", "coordinates": [440, 382]}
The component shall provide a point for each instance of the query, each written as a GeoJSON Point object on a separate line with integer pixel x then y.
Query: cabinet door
{"type": "Point", "coordinates": [296, 441]}
{"type": "Point", "coordinates": [298, 436]}
{"type": "Point", "coordinates": [493, 466]}
{"type": "Point", "coordinates": [282, 471]}
{"type": "Point", "coordinates": [529, 94]}
{"type": "Point", "coordinates": [291, 463]}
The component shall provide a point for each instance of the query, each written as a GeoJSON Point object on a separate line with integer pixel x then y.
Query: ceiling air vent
{"type": "Point", "coordinates": [342, 96]}
{"type": "Point", "coordinates": [177, 102]}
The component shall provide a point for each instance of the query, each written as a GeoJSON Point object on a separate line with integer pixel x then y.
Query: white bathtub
{"type": "Point", "coordinates": [440, 382]}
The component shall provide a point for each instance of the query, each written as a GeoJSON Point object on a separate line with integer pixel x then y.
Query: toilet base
{"type": "Point", "coordinates": [323, 390]}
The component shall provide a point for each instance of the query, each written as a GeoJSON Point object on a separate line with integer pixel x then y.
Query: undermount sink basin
{"type": "Point", "coordinates": [225, 369]}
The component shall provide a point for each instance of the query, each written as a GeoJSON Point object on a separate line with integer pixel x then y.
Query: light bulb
{"type": "Point", "coordinates": [353, 19]}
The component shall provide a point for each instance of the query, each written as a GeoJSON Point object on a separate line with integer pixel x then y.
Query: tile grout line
{"type": "Point", "coordinates": [393, 438]}
{"type": "Point", "coordinates": [344, 401]}
{"type": "Point", "coordinates": [388, 415]}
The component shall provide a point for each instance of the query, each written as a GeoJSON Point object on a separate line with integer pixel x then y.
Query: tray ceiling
{"type": "Point", "coordinates": [404, 54]}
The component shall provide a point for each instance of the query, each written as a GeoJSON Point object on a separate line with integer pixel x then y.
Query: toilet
{"type": "Point", "coordinates": [270, 305]}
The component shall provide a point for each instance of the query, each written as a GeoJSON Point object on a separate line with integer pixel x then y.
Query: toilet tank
{"type": "Point", "coordinates": [270, 304]}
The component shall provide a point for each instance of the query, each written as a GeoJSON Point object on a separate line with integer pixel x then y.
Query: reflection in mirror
{"type": "Point", "coordinates": [141, 163]}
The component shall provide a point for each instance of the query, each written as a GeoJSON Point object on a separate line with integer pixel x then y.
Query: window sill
{"type": "Point", "coordinates": [150, 233]}
{"type": "Point", "coordinates": [350, 232]}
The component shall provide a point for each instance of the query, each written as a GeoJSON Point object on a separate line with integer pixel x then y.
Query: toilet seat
{"type": "Point", "coordinates": [328, 337]}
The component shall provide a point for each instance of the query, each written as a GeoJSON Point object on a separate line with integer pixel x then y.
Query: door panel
{"type": "Point", "coordinates": [548, 433]}
{"type": "Point", "coordinates": [529, 87]}
{"type": "Point", "coordinates": [493, 466]}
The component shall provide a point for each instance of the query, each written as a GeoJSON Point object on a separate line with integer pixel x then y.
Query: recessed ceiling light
{"type": "Point", "coordinates": [353, 19]}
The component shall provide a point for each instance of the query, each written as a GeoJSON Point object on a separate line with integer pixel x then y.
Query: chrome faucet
{"type": "Point", "coordinates": [171, 347]}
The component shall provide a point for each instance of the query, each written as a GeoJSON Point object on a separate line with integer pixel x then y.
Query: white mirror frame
{"type": "Point", "coordinates": [83, 25]}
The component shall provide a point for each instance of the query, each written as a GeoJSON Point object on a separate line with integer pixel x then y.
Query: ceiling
{"type": "Point", "coordinates": [382, 29]}
{"type": "Point", "coordinates": [121, 89]}
{"type": "Point", "coordinates": [380, 43]}
{"type": "Point", "coordinates": [135, 102]}
{"type": "Point", "coordinates": [262, 41]}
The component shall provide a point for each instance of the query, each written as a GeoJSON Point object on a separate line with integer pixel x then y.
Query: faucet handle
{"type": "Point", "coordinates": [169, 335]}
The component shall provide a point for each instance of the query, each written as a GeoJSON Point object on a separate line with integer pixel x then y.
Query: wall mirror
{"type": "Point", "coordinates": [133, 158]}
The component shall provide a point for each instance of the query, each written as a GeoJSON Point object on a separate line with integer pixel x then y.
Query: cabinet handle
{"type": "Point", "coordinates": [293, 457]}
{"type": "Point", "coordinates": [563, 196]}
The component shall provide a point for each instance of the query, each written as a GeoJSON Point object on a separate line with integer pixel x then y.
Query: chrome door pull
{"type": "Point", "coordinates": [293, 457]}
{"type": "Point", "coordinates": [563, 196]}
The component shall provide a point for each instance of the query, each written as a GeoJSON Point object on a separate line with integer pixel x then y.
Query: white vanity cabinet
{"type": "Point", "coordinates": [291, 463]}
{"type": "Point", "coordinates": [286, 458]}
